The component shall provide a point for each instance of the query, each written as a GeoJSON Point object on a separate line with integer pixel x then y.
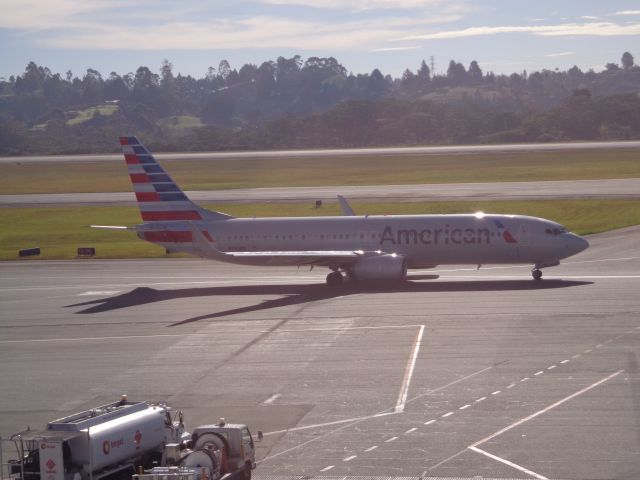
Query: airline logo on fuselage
{"type": "Point", "coordinates": [436, 236]}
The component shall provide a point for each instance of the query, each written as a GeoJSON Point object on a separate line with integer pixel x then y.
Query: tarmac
{"type": "Point", "coordinates": [479, 373]}
{"type": "Point", "coordinates": [332, 152]}
{"type": "Point", "coordinates": [565, 189]}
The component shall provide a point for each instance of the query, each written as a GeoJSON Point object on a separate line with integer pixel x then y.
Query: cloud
{"type": "Point", "coordinates": [589, 17]}
{"type": "Point", "coordinates": [559, 54]}
{"type": "Point", "coordinates": [359, 5]}
{"type": "Point", "coordinates": [38, 14]}
{"type": "Point", "coordinates": [628, 12]}
{"type": "Point", "coordinates": [197, 25]}
{"type": "Point", "coordinates": [250, 33]}
{"type": "Point", "coordinates": [396, 49]}
{"type": "Point", "coordinates": [604, 29]}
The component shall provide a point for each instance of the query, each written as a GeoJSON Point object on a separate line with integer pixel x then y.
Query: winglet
{"type": "Point", "coordinates": [346, 208]}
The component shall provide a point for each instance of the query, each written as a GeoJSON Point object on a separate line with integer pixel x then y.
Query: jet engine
{"type": "Point", "coordinates": [381, 267]}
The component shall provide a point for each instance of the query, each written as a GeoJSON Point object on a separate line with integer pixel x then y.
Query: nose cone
{"type": "Point", "coordinates": [576, 244]}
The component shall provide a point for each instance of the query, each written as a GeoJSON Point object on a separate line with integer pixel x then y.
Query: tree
{"type": "Point", "coordinates": [166, 73]}
{"type": "Point", "coordinates": [627, 60]}
{"type": "Point", "coordinates": [456, 73]}
{"type": "Point", "coordinates": [423, 72]}
{"type": "Point", "coordinates": [474, 73]}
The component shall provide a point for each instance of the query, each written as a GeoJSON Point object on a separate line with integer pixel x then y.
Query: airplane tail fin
{"type": "Point", "coordinates": [158, 196]}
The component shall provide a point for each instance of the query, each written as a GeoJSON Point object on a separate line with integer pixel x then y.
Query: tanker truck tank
{"type": "Point", "coordinates": [99, 442]}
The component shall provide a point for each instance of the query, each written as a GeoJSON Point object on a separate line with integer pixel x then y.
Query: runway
{"type": "Point", "coordinates": [345, 152]}
{"type": "Point", "coordinates": [566, 189]}
{"type": "Point", "coordinates": [478, 373]}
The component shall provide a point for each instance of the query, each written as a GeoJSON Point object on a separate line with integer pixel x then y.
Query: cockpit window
{"type": "Point", "coordinates": [555, 231]}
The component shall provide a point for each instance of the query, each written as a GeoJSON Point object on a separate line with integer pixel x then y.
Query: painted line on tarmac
{"type": "Point", "coordinates": [74, 339]}
{"type": "Point", "coordinates": [511, 464]}
{"type": "Point", "coordinates": [271, 399]}
{"type": "Point", "coordinates": [408, 375]}
{"type": "Point", "coordinates": [467, 377]}
{"type": "Point", "coordinates": [328, 424]}
{"type": "Point", "coordinates": [546, 409]}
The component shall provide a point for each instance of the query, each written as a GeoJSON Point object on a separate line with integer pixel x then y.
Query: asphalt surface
{"type": "Point", "coordinates": [569, 189]}
{"type": "Point", "coordinates": [478, 373]}
{"type": "Point", "coordinates": [346, 152]}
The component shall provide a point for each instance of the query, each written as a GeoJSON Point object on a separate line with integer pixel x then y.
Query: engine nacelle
{"type": "Point", "coordinates": [381, 267]}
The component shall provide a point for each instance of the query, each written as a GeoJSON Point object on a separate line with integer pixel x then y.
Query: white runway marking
{"type": "Point", "coordinates": [564, 361]}
{"type": "Point", "coordinates": [411, 430]}
{"type": "Point", "coordinates": [450, 384]}
{"type": "Point", "coordinates": [477, 400]}
{"type": "Point", "coordinates": [588, 350]}
{"type": "Point", "coordinates": [371, 449]}
{"type": "Point", "coordinates": [75, 339]}
{"type": "Point", "coordinates": [351, 422]}
{"type": "Point", "coordinates": [392, 439]}
{"type": "Point", "coordinates": [448, 414]}
{"type": "Point", "coordinates": [496, 392]}
{"type": "Point", "coordinates": [576, 355]}
{"type": "Point", "coordinates": [511, 385]}
{"type": "Point", "coordinates": [326, 469]}
{"type": "Point", "coordinates": [540, 372]}
{"type": "Point", "coordinates": [464, 407]}
{"type": "Point", "coordinates": [599, 345]}
{"type": "Point", "coordinates": [271, 399]}
{"type": "Point", "coordinates": [99, 293]}
{"type": "Point", "coordinates": [404, 389]}
{"type": "Point", "coordinates": [429, 422]}
{"type": "Point", "coordinates": [348, 459]}
{"type": "Point", "coordinates": [524, 379]}
{"type": "Point", "coordinates": [511, 464]}
{"type": "Point", "coordinates": [546, 409]}
{"type": "Point", "coordinates": [551, 367]}
{"type": "Point", "coordinates": [328, 424]}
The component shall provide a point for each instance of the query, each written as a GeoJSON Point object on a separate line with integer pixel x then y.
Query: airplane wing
{"type": "Point", "coordinates": [295, 257]}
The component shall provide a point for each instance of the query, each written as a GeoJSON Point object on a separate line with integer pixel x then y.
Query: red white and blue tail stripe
{"type": "Point", "coordinates": [158, 196]}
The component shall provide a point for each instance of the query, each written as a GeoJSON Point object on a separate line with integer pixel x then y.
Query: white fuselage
{"type": "Point", "coordinates": [423, 240]}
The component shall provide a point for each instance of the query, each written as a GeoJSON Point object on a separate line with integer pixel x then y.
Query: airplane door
{"type": "Point", "coordinates": [523, 241]}
{"type": "Point", "coordinates": [523, 235]}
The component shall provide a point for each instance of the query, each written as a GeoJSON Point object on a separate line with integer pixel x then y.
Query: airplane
{"type": "Point", "coordinates": [359, 247]}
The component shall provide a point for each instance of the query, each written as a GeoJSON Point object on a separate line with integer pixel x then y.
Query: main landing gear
{"type": "Point", "coordinates": [536, 273]}
{"type": "Point", "coordinates": [335, 279]}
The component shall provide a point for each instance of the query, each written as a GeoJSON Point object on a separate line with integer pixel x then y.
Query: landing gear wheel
{"type": "Point", "coordinates": [536, 274]}
{"type": "Point", "coordinates": [334, 279]}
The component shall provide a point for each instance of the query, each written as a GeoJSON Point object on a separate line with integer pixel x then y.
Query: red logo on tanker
{"type": "Point", "coordinates": [50, 464]}
{"type": "Point", "coordinates": [137, 438]}
{"type": "Point", "coordinates": [106, 447]}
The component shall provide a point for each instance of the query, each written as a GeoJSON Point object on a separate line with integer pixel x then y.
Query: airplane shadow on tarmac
{"type": "Point", "coordinates": [295, 294]}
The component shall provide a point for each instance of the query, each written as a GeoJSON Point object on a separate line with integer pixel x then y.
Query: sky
{"type": "Point", "coordinates": [503, 36]}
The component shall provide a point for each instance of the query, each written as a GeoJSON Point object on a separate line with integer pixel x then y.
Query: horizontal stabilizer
{"type": "Point", "coordinates": [112, 227]}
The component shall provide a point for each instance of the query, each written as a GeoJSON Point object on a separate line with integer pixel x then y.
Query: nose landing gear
{"type": "Point", "coordinates": [536, 273]}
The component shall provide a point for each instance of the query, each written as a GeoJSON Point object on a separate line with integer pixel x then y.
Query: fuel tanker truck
{"type": "Point", "coordinates": [125, 437]}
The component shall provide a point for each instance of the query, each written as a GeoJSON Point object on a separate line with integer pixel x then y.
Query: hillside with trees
{"type": "Point", "coordinates": [296, 103]}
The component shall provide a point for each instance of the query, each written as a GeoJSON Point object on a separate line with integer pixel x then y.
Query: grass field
{"type": "Point", "coordinates": [87, 114]}
{"type": "Point", "coordinates": [59, 231]}
{"type": "Point", "coordinates": [180, 122]}
{"type": "Point", "coordinates": [18, 178]}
